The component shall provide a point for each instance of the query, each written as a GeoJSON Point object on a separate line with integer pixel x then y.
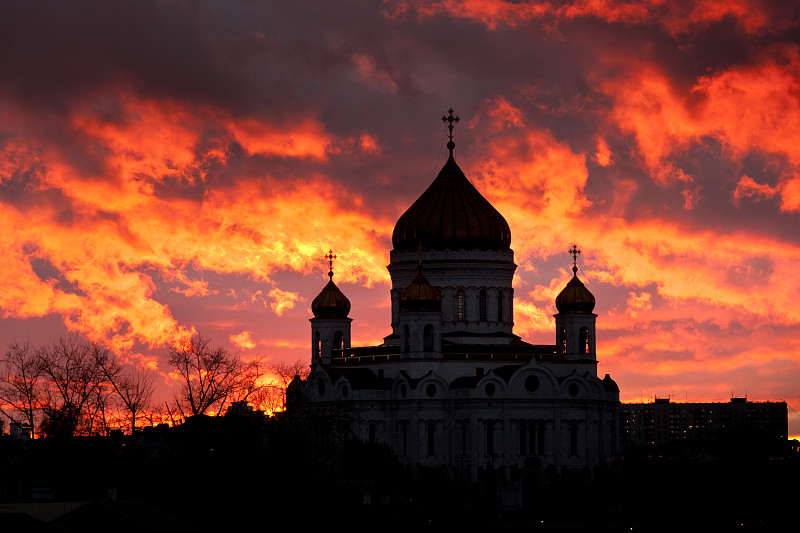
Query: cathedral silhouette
{"type": "Point", "coordinates": [452, 386]}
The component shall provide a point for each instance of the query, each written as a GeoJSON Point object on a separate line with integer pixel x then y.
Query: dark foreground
{"type": "Point", "coordinates": [228, 476]}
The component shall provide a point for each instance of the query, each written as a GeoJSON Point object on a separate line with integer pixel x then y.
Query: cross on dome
{"type": "Point", "coordinates": [574, 252]}
{"type": "Point", "coordinates": [451, 120]}
{"type": "Point", "coordinates": [330, 257]}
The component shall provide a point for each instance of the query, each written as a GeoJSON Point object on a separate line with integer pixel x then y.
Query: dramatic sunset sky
{"type": "Point", "coordinates": [169, 167]}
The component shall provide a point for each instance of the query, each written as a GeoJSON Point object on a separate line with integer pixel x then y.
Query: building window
{"type": "Point", "coordinates": [490, 437]}
{"type": "Point", "coordinates": [428, 338]}
{"type": "Point", "coordinates": [316, 344]}
{"type": "Point", "coordinates": [482, 305]}
{"type": "Point", "coordinates": [461, 304]}
{"type": "Point", "coordinates": [584, 340]}
{"type": "Point", "coordinates": [562, 340]}
{"type": "Point", "coordinates": [540, 429]}
{"type": "Point", "coordinates": [499, 305]}
{"type": "Point", "coordinates": [523, 437]}
{"type": "Point", "coordinates": [431, 427]}
{"type": "Point", "coordinates": [338, 344]}
{"type": "Point", "coordinates": [573, 438]}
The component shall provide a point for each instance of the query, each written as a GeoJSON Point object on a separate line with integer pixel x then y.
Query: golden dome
{"type": "Point", "coordinates": [420, 295]}
{"type": "Point", "coordinates": [575, 297]}
{"type": "Point", "coordinates": [331, 302]}
{"type": "Point", "coordinates": [451, 215]}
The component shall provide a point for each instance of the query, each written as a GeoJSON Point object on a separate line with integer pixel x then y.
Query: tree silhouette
{"type": "Point", "coordinates": [211, 376]}
{"type": "Point", "coordinates": [133, 387]}
{"type": "Point", "coordinates": [73, 385]}
{"type": "Point", "coordinates": [19, 384]}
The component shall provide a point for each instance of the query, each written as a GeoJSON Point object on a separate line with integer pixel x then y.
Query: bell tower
{"type": "Point", "coordinates": [575, 322]}
{"type": "Point", "coordinates": [330, 327]}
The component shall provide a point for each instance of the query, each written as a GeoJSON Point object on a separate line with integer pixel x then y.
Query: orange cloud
{"type": "Point", "coordinates": [676, 17]}
{"type": "Point", "coordinates": [536, 181]}
{"type": "Point", "coordinates": [103, 235]}
{"type": "Point", "coordinates": [243, 340]}
{"type": "Point", "coordinates": [746, 108]}
{"type": "Point", "coordinates": [749, 188]}
{"type": "Point", "coordinates": [282, 300]}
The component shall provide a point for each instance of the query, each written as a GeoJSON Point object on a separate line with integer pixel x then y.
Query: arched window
{"type": "Point", "coordinates": [540, 434]}
{"type": "Point", "coordinates": [573, 438]}
{"type": "Point", "coordinates": [585, 341]}
{"type": "Point", "coordinates": [338, 344]}
{"type": "Point", "coordinates": [427, 338]}
{"type": "Point", "coordinates": [500, 305]}
{"type": "Point", "coordinates": [431, 438]}
{"type": "Point", "coordinates": [461, 305]}
{"type": "Point", "coordinates": [482, 305]}
{"type": "Point", "coordinates": [562, 340]}
{"type": "Point", "coordinates": [316, 344]}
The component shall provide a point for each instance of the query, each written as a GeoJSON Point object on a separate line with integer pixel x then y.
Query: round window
{"type": "Point", "coordinates": [403, 390]}
{"type": "Point", "coordinates": [532, 383]}
{"type": "Point", "coordinates": [574, 389]}
{"type": "Point", "coordinates": [489, 389]}
{"type": "Point", "coordinates": [430, 390]}
{"type": "Point", "coordinates": [321, 387]}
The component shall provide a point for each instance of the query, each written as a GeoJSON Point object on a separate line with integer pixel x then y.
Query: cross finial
{"type": "Point", "coordinates": [330, 257]}
{"type": "Point", "coordinates": [574, 251]}
{"type": "Point", "coordinates": [451, 121]}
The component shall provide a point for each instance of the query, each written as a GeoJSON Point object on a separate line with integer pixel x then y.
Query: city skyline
{"type": "Point", "coordinates": [176, 168]}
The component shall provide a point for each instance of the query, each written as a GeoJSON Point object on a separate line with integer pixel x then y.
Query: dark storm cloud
{"type": "Point", "coordinates": [54, 52]}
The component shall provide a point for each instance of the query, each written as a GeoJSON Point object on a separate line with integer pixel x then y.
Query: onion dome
{"type": "Point", "coordinates": [575, 297]}
{"type": "Point", "coordinates": [451, 215]}
{"type": "Point", "coordinates": [331, 302]}
{"type": "Point", "coordinates": [420, 295]}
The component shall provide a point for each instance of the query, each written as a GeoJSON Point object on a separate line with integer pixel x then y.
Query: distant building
{"type": "Point", "coordinates": [663, 422]}
{"type": "Point", "coordinates": [452, 386]}
{"type": "Point", "coordinates": [20, 430]}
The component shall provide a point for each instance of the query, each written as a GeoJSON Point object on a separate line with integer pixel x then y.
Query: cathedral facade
{"type": "Point", "coordinates": [452, 386]}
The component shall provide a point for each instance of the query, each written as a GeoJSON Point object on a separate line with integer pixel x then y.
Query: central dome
{"type": "Point", "coordinates": [451, 215]}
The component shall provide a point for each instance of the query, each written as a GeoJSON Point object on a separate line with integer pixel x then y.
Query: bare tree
{"type": "Point", "coordinates": [19, 384]}
{"type": "Point", "coordinates": [134, 390]}
{"type": "Point", "coordinates": [73, 381]}
{"type": "Point", "coordinates": [211, 376]}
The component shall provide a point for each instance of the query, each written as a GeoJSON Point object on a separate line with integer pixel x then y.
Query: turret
{"type": "Point", "coordinates": [575, 322]}
{"type": "Point", "coordinates": [420, 319]}
{"type": "Point", "coordinates": [330, 327]}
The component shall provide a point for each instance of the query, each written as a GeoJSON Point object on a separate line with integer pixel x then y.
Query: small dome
{"type": "Point", "coordinates": [331, 302]}
{"type": "Point", "coordinates": [451, 215]}
{"type": "Point", "coordinates": [575, 297]}
{"type": "Point", "coordinates": [420, 295]}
